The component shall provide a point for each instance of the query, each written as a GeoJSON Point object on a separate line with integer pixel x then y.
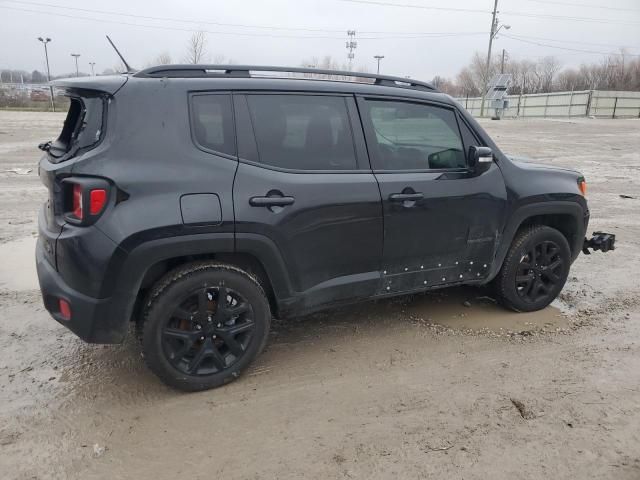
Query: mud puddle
{"type": "Point", "coordinates": [469, 309]}
{"type": "Point", "coordinates": [18, 271]}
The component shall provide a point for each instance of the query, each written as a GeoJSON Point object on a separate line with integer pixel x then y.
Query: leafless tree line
{"type": "Point", "coordinates": [614, 72]}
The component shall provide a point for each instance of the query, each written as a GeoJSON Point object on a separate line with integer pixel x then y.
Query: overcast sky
{"type": "Point", "coordinates": [400, 33]}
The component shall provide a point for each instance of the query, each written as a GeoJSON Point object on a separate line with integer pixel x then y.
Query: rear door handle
{"type": "Point", "coordinates": [271, 201]}
{"type": "Point", "coordinates": [406, 197]}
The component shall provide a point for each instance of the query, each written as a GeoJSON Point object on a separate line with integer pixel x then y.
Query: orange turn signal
{"type": "Point", "coordinates": [582, 185]}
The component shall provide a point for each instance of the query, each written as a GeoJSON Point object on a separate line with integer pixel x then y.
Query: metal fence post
{"type": "Point", "coordinates": [588, 111]}
{"type": "Point", "coordinates": [615, 104]}
{"type": "Point", "coordinates": [570, 103]}
{"type": "Point", "coordinates": [546, 103]}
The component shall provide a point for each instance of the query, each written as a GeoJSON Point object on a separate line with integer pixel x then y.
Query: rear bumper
{"type": "Point", "coordinates": [91, 318]}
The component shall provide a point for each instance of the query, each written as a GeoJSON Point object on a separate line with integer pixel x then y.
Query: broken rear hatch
{"type": "Point", "coordinates": [83, 129]}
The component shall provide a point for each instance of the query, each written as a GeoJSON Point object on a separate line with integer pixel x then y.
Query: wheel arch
{"type": "Point", "coordinates": [136, 271]}
{"type": "Point", "coordinates": [569, 218]}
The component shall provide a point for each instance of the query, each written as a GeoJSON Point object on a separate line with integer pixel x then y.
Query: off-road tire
{"type": "Point", "coordinates": [166, 296]}
{"type": "Point", "coordinates": [506, 286]}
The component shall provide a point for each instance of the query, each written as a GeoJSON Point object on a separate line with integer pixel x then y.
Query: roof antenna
{"type": "Point", "coordinates": [129, 69]}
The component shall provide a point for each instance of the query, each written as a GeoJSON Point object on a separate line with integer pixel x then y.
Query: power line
{"type": "Point", "coordinates": [399, 36]}
{"type": "Point", "coordinates": [563, 48]}
{"type": "Point", "coordinates": [569, 18]}
{"type": "Point", "coordinates": [149, 17]}
{"type": "Point", "coordinates": [603, 7]}
{"type": "Point", "coordinates": [424, 7]}
{"type": "Point", "coordinates": [392, 34]}
{"type": "Point", "coordinates": [581, 42]}
{"type": "Point", "coordinates": [513, 13]}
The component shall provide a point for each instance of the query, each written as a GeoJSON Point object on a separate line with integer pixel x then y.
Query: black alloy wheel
{"type": "Point", "coordinates": [534, 270]}
{"type": "Point", "coordinates": [539, 271]}
{"type": "Point", "coordinates": [203, 324]}
{"type": "Point", "coordinates": [209, 331]}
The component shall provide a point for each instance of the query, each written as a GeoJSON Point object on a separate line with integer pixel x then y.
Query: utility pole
{"type": "Point", "coordinates": [351, 46]}
{"type": "Point", "coordinates": [93, 64]}
{"type": "Point", "coordinates": [46, 56]}
{"type": "Point", "coordinates": [378, 58]}
{"type": "Point", "coordinates": [76, 55]}
{"type": "Point", "coordinates": [502, 63]}
{"type": "Point", "coordinates": [488, 66]}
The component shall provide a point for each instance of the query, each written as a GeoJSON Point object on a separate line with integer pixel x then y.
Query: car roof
{"type": "Point", "coordinates": [268, 78]}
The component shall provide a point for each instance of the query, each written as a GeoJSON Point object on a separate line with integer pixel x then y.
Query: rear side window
{"type": "Point", "coordinates": [413, 136]}
{"type": "Point", "coordinates": [302, 132]}
{"type": "Point", "coordinates": [83, 127]}
{"type": "Point", "coordinates": [212, 122]}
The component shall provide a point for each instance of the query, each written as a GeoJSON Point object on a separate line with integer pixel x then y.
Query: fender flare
{"type": "Point", "coordinates": [128, 271]}
{"type": "Point", "coordinates": [521, 214]}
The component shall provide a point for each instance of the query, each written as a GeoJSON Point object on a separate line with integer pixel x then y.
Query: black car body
{"type": "Point", "coordinates": [201, 163]}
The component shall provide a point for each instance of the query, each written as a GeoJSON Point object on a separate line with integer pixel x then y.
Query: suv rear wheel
{"type": "Point", "coordinates": [204, 324]}
{"type": "Point", "coordinates": [535, 269]}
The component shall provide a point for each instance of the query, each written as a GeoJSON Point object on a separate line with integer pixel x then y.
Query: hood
{"type": "Point", "coordinates": [527, 163]}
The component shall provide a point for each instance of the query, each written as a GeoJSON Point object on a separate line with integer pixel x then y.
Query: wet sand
{"type": "Point", "coordinates": [440, 385]}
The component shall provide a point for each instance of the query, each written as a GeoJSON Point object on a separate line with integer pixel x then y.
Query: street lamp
{"type": "Point", "coordinates": [93, 64]}
{"type": "Point", "coordinates": [378, 58]}
{"type": "Point", "coordinates": [76, 55]}
{"type": "Point", "coordinates": [46, 56]}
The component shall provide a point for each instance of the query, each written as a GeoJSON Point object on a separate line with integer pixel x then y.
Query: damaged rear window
{"type": "Point", "coordinates": [83, 128]}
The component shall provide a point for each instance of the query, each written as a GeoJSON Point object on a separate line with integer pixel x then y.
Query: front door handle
{"type": "Point", "coordinates": [406, 197]}
{"type": "Point", "coordinates": [271, 201]}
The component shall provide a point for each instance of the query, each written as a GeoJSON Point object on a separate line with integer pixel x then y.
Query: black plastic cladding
{"type": "Point", "coordinates": [342, 240]}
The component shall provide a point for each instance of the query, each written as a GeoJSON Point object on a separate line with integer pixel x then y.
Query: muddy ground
{"type": "Point", "coordinates": [417, 387]}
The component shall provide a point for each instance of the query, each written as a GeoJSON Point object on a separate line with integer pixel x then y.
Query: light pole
{"type": "Point", "coordinates": [46, 56]}
{"type": "Point", "coordinates": [93, 64]}
{"type": "Point", "coordinates": [502, 63]}
{"type": "Point", "coordinates": [76, 55]}
{"type": "Point", "coordinates": [495, 28]}
{"type": "Point", "coordinates": [378, 58]}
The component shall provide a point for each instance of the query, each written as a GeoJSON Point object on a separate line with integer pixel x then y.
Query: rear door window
{"type": "Point", "coordinates": [302, 132]}
{"type": "Point", "coordinates": [212, 122]}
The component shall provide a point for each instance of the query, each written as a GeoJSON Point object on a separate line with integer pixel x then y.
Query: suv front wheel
{"type": "Point", "coordinates": [203, 324]}
{"type": "Point", "coordinates": [535, 269]}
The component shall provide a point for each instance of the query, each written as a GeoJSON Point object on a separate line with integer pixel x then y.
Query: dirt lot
{"type": "Point", "coordinates": [419, 387]}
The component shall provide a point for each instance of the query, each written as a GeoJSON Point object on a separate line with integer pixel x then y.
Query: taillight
{"type": "Point", "coordinates": [77, 201]}
{"type": "Point", "coordinates": [582, 185]}
{"type": "Point", "coordinates": [64, 308]}
{"type": "Point", "coordinates": [86, 199]}
{"type": "Point", "coordinates": [97, 200]}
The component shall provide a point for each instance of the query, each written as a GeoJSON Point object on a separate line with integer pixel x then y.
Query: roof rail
{"type": "Point", "coordinates": [244, 71]}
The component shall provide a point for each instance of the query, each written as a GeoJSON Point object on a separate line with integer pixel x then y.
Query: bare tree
{"type": "Point", "coordinates": [196, 48]}
{"type": "Point", "coordinates": [466, 83]}
{"type": "Point", "coordinates": [163, 59]}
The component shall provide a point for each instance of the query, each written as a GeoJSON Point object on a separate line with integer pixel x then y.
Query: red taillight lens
{"type": "Point", "coordinates": [64, 308]}
{"type": "Point", "coordinates": [85, 199]}
{"type": "Point", "coordinates": [97, 201]}
{"type": "Point", "coordinates": [77, 201]}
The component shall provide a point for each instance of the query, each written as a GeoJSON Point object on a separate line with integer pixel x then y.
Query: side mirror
{"type": "Point", "coordinates": [480, 159]}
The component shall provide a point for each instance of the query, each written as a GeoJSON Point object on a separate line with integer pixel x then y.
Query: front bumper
{"type": "Point", "coordinates": [599, 241]}
{"type": "Point", "coordinates": [90, 318]}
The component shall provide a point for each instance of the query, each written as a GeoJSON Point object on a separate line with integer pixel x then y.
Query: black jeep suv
{"type": "Point", "coordinates": [198, 201]}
